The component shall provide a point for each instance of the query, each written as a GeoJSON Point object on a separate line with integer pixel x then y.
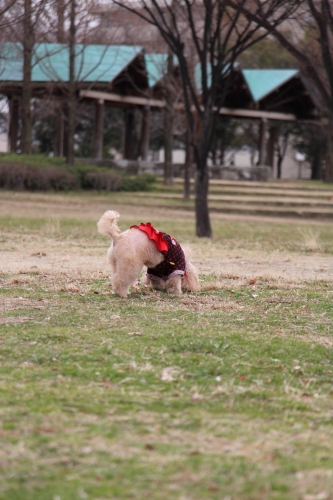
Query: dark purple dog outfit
{"type": "Point", "coordinates": [174, 257]}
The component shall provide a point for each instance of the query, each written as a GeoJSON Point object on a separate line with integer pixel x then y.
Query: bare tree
{"type": "Point", "coordinates": [312, 48]}
{"type": "Point", "coordinates": [28, 43]}
{"type": "Point", "coordinates": [7, 19]}
{"type": "Point", "coordinates": [216, 35]}
{"type": "Point", "coordinates": [168, 123]}
{"type": "Point", "coordinates": [71, 84]}
{"type": "Point", "coordinates": [33, 22]}
{"type": "Point", "coordinates": [60, 8]}
{"type": "Point", "coordinates": [311, 140]}
{"type": "Point", "coordinates": [283, 138]}
{"type": "Point", "coordinates": [24, 29]}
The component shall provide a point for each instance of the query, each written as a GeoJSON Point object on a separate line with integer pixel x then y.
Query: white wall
{"type": "Point", "coordinates": [3, 143]}
{"type": "Point", "coordinates": [242, 158]}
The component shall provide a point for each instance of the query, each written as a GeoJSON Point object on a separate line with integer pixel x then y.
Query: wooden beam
{"type": "Point", "coordinates": [158, 103]}
{"type": "Point", "coordinates": [253, 113]}
{"type": "Point", "coordinates": [122, 99]}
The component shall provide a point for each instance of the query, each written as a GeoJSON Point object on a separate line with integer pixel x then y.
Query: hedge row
{"type": "Point", "coordinates": [18, 177]}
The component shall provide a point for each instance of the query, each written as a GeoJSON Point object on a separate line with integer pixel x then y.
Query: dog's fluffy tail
{"type": "Point", "coordinates": [107, 224]}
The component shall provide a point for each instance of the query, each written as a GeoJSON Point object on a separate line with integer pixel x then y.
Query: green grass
{"type": "Point", "coordinates": [37, 160]}
{"type": "Point", "coordinates": [225, 394]}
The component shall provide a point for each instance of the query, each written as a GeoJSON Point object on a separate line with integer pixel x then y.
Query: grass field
{"type": "Point", "coordinates": [226, 394]}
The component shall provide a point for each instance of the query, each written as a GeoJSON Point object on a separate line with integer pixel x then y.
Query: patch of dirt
{"type": "Point", "coordinates": [210, 303]}
{"type": "Point", "coordinates": [66, 260]}
{"type": "Point", "coordinates": [13, 320]}
{"type": "Point", "coordinates": [44, 254]}
{"type": "Point", "coordinates": [11, 304]}
{"type": "Point", "coordinates": [253, 265]}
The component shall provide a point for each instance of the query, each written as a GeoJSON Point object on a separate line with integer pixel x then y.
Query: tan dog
{"type": "Point", "coordinates": [131, 250]}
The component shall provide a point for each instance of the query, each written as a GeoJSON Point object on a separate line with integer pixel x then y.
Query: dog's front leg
{"type": "Point", "coordinates": [174, 285]}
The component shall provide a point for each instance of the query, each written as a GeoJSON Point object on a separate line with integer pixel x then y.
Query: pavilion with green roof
{"type": "Point", "coordinates": [124, 76]}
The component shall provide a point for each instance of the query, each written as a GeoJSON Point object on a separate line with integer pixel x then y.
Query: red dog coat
{"type": "Point", "coordinates": [174, 257]}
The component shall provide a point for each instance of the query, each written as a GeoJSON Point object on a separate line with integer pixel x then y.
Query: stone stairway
{"type": "Point", "coordinates": [280, 199]}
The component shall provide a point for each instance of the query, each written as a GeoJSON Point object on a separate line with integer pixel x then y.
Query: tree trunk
{"type": "Point", "coordinates": [201, 150]}
{"type": "Point", "coordinates": [262, 142]}
{"type": "Point", "coordinates": [168, 125]}
{"type": "Point", "coordinates": [271, 146]}
{"type": "Point", "coordinates": [188, 166]}
{"type": "Point", "coordinates": [60, 6]}
{"type": "Point", "coordinates": [14, 111]}
{"type": "Point", "coordinates": [279, 167]}
{"type": "Point", "coordinates": [222, 154]}
{"type": "Point", "coordinates": [203, 227]}
{"type": "Point", "coordinates": [59, 133]}
{"type": "Point", "coordinates": [317, 165]}
{"type": "Point", "coordinates": [71, 86]}
{"type": "Point", "coordinates": [145, 133]}
{"type": "Point", "coordinates": [26, 87]}
{"type": "Point", "coordinates": [329, 153]}
{"type": "Point", "coordinates": [129, 147]}
{"type": "Point", "coordinates": [99, 122]}
{"type": "Point", "coordinates": [168, 146]}
{"type": "Point", "coordinates": [65, 130]}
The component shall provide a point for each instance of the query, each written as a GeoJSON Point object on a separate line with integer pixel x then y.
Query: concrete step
{"type": "Point", "coordinates": [271, 199]}
{"type": "Point", "coordinates": [286, 211]}
{"type": "Point", "coordinates": [237, 208]}
{"type": "Point", "coordinates": [275, 201]}
{"type": "Point", "coordinates": [264, 189]}
{"type": "Point", "coordinates": [279, 185]}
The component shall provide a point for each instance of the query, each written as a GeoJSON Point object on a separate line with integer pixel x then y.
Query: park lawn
{"type": "Point", "coordinates": [224, 394]}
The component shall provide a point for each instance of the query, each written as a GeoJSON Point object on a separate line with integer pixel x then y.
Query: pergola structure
{"type": "Point", "coordinates": [124, 76]}
{"type": "Point", "coordinates": [118, 69]}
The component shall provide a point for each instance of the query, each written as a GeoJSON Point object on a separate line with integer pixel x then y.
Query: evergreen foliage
{"type": "Point", "coordinates": [36, 173]}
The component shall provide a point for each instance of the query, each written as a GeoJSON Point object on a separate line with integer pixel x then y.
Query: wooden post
{"type": "Point", "coordinates": [59, 135]}
{"type": "Point", "coordinates": [145, 133]}
{"type": "Point", "coordinates": [98, 138]}
{"type": "Point", "coordinates": [262, 142]}
{"type": "Point", "coordinates": [271, 146]}
{"type": "Point", "coordinates": [129, 133]}
{"type": "Point", "coordinates": [65, 130]}
{"type": "Point", "coordinates": [13, 127]}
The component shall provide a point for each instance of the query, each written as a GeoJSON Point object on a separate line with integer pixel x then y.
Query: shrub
{"type": "Point", "coordinates": [141, 182]}
{"type": "Point", "coordinates": [17, 177]}
{"type": "Point", "coordinates": [62, 180]}
{"type": "Point", "coordinates": [106, 181]}
{"type": "Point", "coordinates": [12, 176]}
{"type": "Point", "coordinates": [33, 160]}
{"type": "Point", "coordinates": [37, 179]}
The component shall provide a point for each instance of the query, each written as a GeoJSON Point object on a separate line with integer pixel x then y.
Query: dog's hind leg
{"type": "Point", "coordinates": [125, 274]}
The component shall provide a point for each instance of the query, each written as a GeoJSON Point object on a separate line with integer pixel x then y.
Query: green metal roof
{"type": "Point", "coordinates": [103, 63]}
{"type": "Point", "coordinates": [94, 63]}
{"type": "Point", "coordinates": [156, 65]}
{"type": "Point", "coordinates": [262, 82]}
{"type": "Point", "coordinates": [198, 73]}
